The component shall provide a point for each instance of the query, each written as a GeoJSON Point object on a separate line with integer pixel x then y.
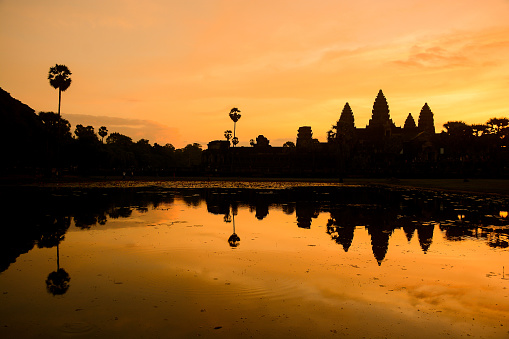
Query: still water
{"type": "Point", "coordinates": [261, 260]}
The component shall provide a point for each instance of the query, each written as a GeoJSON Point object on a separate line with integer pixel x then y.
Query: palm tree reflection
{"type": "Point", "coordinates": [52, 233]}
{"type": "Point", "coordinates": [234, 239]}
{"type": "Point", "coordinates": [57, 282]}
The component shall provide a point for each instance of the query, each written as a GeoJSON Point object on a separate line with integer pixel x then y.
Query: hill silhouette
{"type": "Point", "coordinates": [22, 130]}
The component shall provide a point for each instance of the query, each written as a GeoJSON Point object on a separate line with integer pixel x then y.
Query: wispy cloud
{"type": "Point", "coordinates": [466, 49]}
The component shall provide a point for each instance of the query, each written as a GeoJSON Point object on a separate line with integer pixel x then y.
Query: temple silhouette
{"type": "Point", "coordinates": [379, 149]}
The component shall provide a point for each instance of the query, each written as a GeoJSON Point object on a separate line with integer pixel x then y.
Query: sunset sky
{"type": "Point", "coordinates": [170, 71]}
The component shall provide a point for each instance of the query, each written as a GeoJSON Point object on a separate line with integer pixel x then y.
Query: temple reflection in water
{"type": "Point", "coordinates": [379, 211]}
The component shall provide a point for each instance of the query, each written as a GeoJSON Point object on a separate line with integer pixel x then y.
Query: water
{"type": "Point", "coordinates": [257, 260]}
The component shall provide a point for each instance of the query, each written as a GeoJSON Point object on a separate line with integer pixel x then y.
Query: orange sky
{"type": "Point", "coordinates": [170, 71]}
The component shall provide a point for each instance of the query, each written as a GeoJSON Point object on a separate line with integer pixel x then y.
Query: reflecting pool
{"type": "Point", "coordinates": [242, 260]}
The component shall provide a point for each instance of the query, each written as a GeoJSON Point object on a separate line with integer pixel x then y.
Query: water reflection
{"type": "Point", "coordinates": [57, 282]}
{"type": "Point", "coordinates": [378, 210]}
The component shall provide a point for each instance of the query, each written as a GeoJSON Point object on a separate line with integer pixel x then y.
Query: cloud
{"type": "Point", "coordinates": [434, 57]}
{"type": "Point", "coordinates": [133, 128]}
{"type": "Point", "coordinates": [473, 49]}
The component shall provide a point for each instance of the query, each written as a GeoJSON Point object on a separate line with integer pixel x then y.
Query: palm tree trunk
{"type": "Point", "coordinates": [59, 128]}
{"type": "Point", "coordinates": [234, 125]}
{"type": "Point", "coordinates": [59, 100]}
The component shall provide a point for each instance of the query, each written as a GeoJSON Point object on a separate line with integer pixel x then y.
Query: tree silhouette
{"type": "Point", "coordinates": [479, 129]}
{"type": "Point", "coordinates": [56, 126]}
{"type": "Point", "coordinates": [59, 78]}
{"type": "Point", "coordinates": [235, 116]}
{"type": "Point", "coordinates": [103, 131]}
{"type": "Point", "coordinates": [119, 139]}
{"type": "Point", "coordinates": [497, 124]}
{"type": "Point", "coordinates": [262, 141]}
{"type": "Point", "coordinates": [228, 135]}
{"type": "Point", "coordinates": [85, 133]}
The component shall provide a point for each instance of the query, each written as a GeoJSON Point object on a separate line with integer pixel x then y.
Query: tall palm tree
{"type": "Point", "coordinates": [103, 131]}
{"type": "Point", "coordinates": [235, 116]}
{"type": "Point", "coordinates": [59, 78]}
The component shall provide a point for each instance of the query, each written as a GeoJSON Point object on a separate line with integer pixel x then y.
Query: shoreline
{"type": "Point", "coordinates": [484, 186]}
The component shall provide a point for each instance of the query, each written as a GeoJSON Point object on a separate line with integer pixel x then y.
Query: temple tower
{"type": "Point", "coordinates": [426, 122]}
{"type": "Point", "coordinates": [381, 122]}
{"type": "Point", "coordinates": [346, 118]}
{"type": "Point", "coordinates": [345, 127]}
{"type": "Point", "coordinates": [304, 136]}
{"type": "Point", "coordinates": [409, 123]}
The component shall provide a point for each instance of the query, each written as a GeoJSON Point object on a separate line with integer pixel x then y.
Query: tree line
{"type": "Point", "coordinates": [84, 153]}
{"type": "Point", "coordinates": [46, 143]}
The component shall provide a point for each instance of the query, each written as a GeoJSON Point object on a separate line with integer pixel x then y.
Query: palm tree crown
{"type": "Point", "coordinates": [59, 77]}
{"type": "Point", "coordinates": [234, 114]}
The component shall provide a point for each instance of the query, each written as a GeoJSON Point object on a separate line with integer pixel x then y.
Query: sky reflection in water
{"type": "Point", "coordinates": [304, 262]}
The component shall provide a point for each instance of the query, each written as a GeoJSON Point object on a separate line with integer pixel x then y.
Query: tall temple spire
{"type": "Point", "coordinates": [426, 122]}
{"type": "Point", "coordinates": [380, 114]}
{"type": "Point", "coordinates": [345, 127]}
{"type": "Point", "coordinates": [346, 116]}
{"type": "Point", "coordinates": [409, 122]}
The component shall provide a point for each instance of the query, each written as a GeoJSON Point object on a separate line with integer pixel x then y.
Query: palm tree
{"type": "Point", "coordinates": [103, 131]}
{"type": "Point", "coordinates": [235, 116]}
{"type": "Point", "coordinates": [59, 78]}
{"type": "Point", "coordinates": [228, 135]}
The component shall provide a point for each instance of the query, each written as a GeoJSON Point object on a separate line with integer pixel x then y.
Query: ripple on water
{"type": "Point", "coordinates": [78, 327]}
{"type": "Point", "coordinates": [281, 289]}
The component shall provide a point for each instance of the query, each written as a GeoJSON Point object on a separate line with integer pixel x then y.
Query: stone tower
{"type": "Point", "coordinates": [426, 122]}
{"type": "Point", "coordinates": [345, 127]}
{"type": "Point", "coordinates": [380, 123]}
{"type": "Point", "coordinates": [304, 136]}
{"type": "Point", "coordinates": [346, 116]}
{"type": "Point", "coordinates": [409, 122]}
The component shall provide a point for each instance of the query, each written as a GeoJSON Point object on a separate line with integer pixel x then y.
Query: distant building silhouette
{"type": "Point", "coordinates": [379, 149]}
{"type": "Point", "coordinates": [305, 137]}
